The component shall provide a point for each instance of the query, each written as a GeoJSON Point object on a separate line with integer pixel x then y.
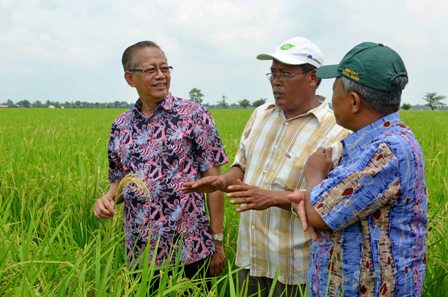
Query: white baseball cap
{"type": "Point", "coordinates": [296, 51]}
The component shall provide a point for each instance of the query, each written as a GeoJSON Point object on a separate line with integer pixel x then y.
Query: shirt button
{"type": "Point", "coordinates": [275, 146]}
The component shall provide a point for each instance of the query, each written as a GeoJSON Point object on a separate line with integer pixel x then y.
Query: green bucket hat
{"type": "Point", "coordinates": [370, 64]}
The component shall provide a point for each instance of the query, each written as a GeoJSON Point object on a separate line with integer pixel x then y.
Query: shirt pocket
{"type": "Point", "coordinates": [289, 175]}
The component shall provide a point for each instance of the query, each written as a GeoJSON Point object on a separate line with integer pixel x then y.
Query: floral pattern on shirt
{"type": "Point", "coordinates": [175, 144]}
{"type": "Point", "coordinates": [375, 203]}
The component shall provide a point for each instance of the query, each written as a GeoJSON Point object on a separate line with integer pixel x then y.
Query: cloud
{"type": "Point", "coordinates": [72, 49]}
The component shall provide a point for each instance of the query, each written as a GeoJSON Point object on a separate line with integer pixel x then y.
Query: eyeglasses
{"type": "Point", "coordinates": [282, 76]}
{"type": "Point", "coordinates": [154, 70]}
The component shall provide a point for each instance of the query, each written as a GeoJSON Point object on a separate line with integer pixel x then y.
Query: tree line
{"type": "Point", "coordinates": [55, 104]}
{"type": "Point", "coordinates": [433, 102]}
{"type": "Point", "coordinates": [197, 96]}
{"type": "Point", "coordinates": [432, 99]}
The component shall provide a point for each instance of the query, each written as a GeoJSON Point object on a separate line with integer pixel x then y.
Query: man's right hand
{"type": "Point", "coordinates": [207, 184]}
{"type": "Point", "coordinates": [104, 207]}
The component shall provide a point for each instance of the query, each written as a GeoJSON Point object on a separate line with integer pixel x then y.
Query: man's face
{"type": "Point", "coordinates": [342, 104]}
{"type": "Point", "coordinates": [151, 86]}
{"type": "Point", "coordinates": [291, 88]}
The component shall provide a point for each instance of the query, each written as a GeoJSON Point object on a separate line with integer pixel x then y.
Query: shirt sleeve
{"type": "Point", "coordinates": [357, 189]}
{"type": "Point", "coordinates": [240, 157]}
{"type": "Point", "coordinates": [116, 171]}
{"type": "Point", "coordinates": [209, 149]}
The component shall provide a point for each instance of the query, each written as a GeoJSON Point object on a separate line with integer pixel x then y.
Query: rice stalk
{"type": "Point", "coordinates": [132, 178]}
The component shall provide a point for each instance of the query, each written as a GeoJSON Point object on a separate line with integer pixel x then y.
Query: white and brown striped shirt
{"type": "Point", "coordinates": [272, 152]}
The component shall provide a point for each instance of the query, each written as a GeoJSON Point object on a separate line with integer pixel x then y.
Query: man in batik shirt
{"type": "Point", "coordinates": [165, 141]}
{"type": "Point", "coordinates": [372, 206]}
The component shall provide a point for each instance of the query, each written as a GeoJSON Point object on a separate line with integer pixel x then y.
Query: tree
{"type": "Point", "coordinates": [10, 103]}
{"type": "Point", "coordinates": [196, 95]}
{"type": "Point", "coordinates": [223, 103]}
{"type": "Point", "coordinates": [38, 104]}
{"type": "Point", "coordinates": [259, 102]}
{"type": "Point", "coordinates": [244, 103]}
{"type": "Point", "coordinates": [406, 106]}
{"type": "Point", "coordinates": [433, 100]}
{"type": "Point", "coordinates": [24, 103]}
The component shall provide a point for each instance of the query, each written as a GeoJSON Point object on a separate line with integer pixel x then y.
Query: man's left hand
{"type": "Point", "coordinates": [318, 165]}
{"type": "Point", "coordinates": [218, 259]}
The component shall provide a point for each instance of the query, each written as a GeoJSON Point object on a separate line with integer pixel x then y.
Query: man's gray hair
{"type": "Point", "coordinates": [381, 101]}
{"type": "Point", "coordinates": [128, 60]}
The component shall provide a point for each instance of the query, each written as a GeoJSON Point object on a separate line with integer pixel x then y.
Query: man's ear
{"type": "Point", "coordinates": [313, 80]}
{"type": "Point", "coordinates": [356, 102]}
{"type": "Point", "coordinates": [129, 77]}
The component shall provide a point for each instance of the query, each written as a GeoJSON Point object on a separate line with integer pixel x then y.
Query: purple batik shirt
{"type": "Point", "coordinates": [174, 145]}
{"type": "Point", "coordinates": [375, 204]}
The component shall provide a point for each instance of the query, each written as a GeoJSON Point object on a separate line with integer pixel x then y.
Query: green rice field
{"type": "Point", "coordinates": [53, 167]}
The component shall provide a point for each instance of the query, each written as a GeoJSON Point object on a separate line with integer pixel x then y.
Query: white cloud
{"type": "Point", "coordinates": [72, 49]}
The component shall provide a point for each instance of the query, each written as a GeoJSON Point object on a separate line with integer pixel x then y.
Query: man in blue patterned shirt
{"type": "Point", "coordinates": [371, 208]}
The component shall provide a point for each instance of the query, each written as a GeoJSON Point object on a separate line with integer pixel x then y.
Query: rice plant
{"type": "Point", "coordinates": [53, 167]}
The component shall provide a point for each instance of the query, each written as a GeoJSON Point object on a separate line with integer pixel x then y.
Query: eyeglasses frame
{"type": "Point", "coordinates": [166, 70]}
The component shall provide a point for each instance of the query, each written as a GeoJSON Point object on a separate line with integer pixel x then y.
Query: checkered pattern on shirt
{"type": "Point", "coordinates": [272, 152]}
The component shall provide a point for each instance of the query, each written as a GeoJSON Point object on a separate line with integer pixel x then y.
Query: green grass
{"type": "Point", "coordinates": [430, 128]}
{"type": "Point", "coordinates": [53, 166]}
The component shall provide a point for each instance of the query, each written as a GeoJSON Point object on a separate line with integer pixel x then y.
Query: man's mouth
{"type": "Point", "coordinates": [159, 85]}
{"type": "Point", "coordinates": [277, 94]}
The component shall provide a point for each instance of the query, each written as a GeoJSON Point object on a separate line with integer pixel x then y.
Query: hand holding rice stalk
{"type": "Point", "coordinates": [132, 178]}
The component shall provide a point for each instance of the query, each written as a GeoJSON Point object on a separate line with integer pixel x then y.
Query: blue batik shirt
{"type": "Point", "coordinates": [375, 203]}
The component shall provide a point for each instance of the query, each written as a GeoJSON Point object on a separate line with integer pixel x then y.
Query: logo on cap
{"type": "Point", "coordinates": [351, 74]}
{"type": "Point", "coordinates": [287, 46]}
{"type": "Point", "coordinates": [310, 56]}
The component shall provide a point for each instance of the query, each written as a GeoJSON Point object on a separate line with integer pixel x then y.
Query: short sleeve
{"type": "Point", "coordinates": [208, 146]}
{"type": "Point", "coordinates": [116, 171]}
{"type": "Point", "coordinates": [240, 157]}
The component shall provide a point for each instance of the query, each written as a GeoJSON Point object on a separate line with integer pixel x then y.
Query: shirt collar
{"type": "Point", "coordinates": [167, 104]}
{"type": "Point", "coordinates": [363, 137]}
{"type": "Point", "coordinates": [319, 112]}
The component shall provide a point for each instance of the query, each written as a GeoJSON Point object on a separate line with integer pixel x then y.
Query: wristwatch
{"type": "Point", "coordinates": [218, 237]}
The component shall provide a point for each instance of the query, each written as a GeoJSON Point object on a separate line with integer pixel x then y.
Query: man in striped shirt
{"type": "Point", "coordinates": [268, 166]}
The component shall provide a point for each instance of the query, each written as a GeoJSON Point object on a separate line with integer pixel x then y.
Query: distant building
{"type": "Point", "coordinates": [3, 106]}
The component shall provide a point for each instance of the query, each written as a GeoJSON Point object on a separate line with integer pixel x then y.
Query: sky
{"type": "Point", "coordinates": [67, 50]}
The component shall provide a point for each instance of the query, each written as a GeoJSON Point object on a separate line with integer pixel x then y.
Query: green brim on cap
{"type": "Point", "coordinates": [328, 71]}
